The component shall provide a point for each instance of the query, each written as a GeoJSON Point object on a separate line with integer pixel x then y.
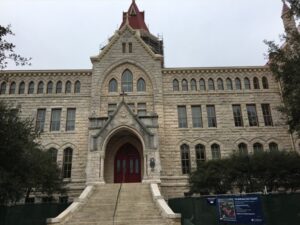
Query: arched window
{"type": "Point", "coordinates": [113, 85]}
{"type": "Point", "coordinates": [238, 85]}
{"type": "Point", "coordinates": [67, 162]}
{"type": "Point", "coordinates": [77, 87]}
{"type": "Point", "coordinates": [257, 148]}
{"type": "Point", "coordinates": [200, 153]}
{"type": "Point", "coordinates": [273, 147]}
{"type": "Point", "coordinates": [22, 88]}
{"type": "Point", "coordinates": [50, 87]}
{"type": "Point", "coordinates": [185, 158]}
{"type": "Point", "coordinates": [202, 85]}
{"type": "Point", "coordinates": [265, 83]}
{"type": "Point", "coordinates": [58, 87]}
{"type": "Point", "coordinates": [68, 87]}
{"type": "Point", "coordinates": [40, 89]}
{"type": "Point", "coordinates": [184, 85]}
{"type": "Point", "coordinates": [229, 84]}
{"type": "Point", "coordinates": [215, 151]}
{"type": "Point", "coordinates": [12, 88]}
{"type": "Point", "coordinates": [175, 85]}
{"type": "Point", "coordinates": [193, 85]}
{"type": "Point", "coordinates": [243, 149]}
{"type": "Point", "coordinates": [31, 88]}
{"type": "Point", "coordinates": [220, 84]}
{"type": "Point", "coordinates": [256, 83]}
{"type": "Point", "coordinates": [247, 83]}
{"type": "Point", "coordinates": [141, 85]}
{"type": "Point", "coordinates": [53, 154]}
{"type": "Point", "coordinates": [3, 88]}
{"type": "Point", "coordinates": [127, 80]}
{"type": "Point", "coordinates": [211, 84]}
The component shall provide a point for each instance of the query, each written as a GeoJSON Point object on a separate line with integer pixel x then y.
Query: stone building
{"type": "Point", "coordinates": [130, 119]}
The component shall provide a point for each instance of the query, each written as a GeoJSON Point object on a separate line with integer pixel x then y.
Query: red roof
{"type": "Point", "coordinates": [136, 19]}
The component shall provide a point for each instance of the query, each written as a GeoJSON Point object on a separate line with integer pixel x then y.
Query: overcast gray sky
{"type": "Point", "coordinates": [63, 34]}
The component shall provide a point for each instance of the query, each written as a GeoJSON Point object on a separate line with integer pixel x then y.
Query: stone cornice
{"type": "Point", "coordinates": [87, 72]}
{"type": "Point", "coordinates": [196, 70]}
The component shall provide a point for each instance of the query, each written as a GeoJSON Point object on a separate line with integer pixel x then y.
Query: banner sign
{"type": "Point", "coordinates": [240, 209]}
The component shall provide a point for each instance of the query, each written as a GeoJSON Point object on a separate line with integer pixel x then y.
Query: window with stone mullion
{"type": "Point", "coordinates": [70, 124]}
{"type": "Point", "coordinates": [252, 115]}
{"type": "Point", "coordinates": [185, 159]}
{"type": "Point", "coordinates": [40, 119]}
{"type": "Point", "coordinates": [211, 116]}
{"type": "Point", "coordinates": [267, 114]}
{"type": "Point", "coordinates": [182, 117]}
{"type": "Point", "coordinates": [55, 120]}
{"type": "Point", "coordinates": [237, 115]}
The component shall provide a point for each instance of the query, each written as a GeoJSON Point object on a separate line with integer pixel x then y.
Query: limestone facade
{"type": "Point", "coordinates": [106, 120]}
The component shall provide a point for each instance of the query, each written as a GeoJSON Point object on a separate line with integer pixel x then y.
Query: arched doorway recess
{"type": "Point", "coordinates": [124, 158]}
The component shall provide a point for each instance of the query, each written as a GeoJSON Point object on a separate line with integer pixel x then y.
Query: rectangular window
{"type": "Point", "coordinates": [111, 109]}
{"type": "Point", "coordinates": [55, 120]}
{"type": "Point", "coordinates": [211, 116]}
{"type": "Point", "coordinates": [124, 47]}
{"type": "Point", "coordinates": [132, 107]}
{"type": "Point", "coordinates": [237, 115]}
{"type": "Point", "coordinates": [130, 47]}
{"type": "Point", "coordinates": [252, 115]}
{"type": "Point", "coordinates": [197, 116]}
{"type": "Point", "coordinates": [71, 115]}
{"type": "Point", "coordinates": [182, 118]}
{"type": "Point", "coordinates": [40, 119]}
{"type": "Point", "coordinates": [267, 114]}
{"type": "Point", "coordinates": [141, 109]}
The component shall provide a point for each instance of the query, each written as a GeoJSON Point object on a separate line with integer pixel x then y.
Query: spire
{"type": "Point", "coordinates": [134, 18]}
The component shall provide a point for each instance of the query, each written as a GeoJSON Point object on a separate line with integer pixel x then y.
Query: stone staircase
{"type": "Point", "coordinates": [135, 207]}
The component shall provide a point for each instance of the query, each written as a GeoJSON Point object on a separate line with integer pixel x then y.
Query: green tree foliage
{"type": "Point", "coordinates": [284, 62]}
{"type": "Point", "coordinates": [24, 166]}
{"type": "Point", "coordinates": [7, 52]}
{"type": "Point", "coordinates": [248, 173]}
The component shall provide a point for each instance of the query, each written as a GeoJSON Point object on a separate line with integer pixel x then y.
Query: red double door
{"type": "Point", "coordinates": [127, 165]}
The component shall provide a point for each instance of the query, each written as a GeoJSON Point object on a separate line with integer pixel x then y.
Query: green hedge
{"type": "Point", "coordinates": [30, 214]}
{"type": "Point", "coordinates": [278, 209]}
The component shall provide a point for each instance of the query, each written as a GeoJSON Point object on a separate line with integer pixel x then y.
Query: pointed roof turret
{"type": "Point", "coordinates": [134, 18]}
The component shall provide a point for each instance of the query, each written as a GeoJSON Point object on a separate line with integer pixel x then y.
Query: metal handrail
{"type": "Point", "coordinates": [118, 196]}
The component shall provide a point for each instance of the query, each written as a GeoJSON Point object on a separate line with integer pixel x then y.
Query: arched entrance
{"type": "Point", "coordinates": [124, 157]}
{"type": "Point", "coordinates": [127, 165]}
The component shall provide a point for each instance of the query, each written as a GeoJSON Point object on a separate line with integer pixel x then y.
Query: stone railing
{"type": "Point", "coordinates": [77, 204]}
{"type": "Point", "coordinates": [164, 208]}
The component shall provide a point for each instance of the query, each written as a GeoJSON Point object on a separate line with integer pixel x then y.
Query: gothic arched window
{"type": "Point", "coordinates": [265, 83]}
{"type": "Point", "coordinates": [211, 84]}
{"type": "Point", "coordinates": [3, 88]}
{"type": "Point", "coordinates": [50, 87]}
{"type": "Point", "coordinates": [238, 85]}
{"type": "Point", "coordinates": [247, 83]}
{"type": "Point", "coordinates": [53, 154]}
{"type": "Point", "coordinates": [31, 88]}
{"type": "Point", "coordinates": [255, 83]}
{"type": "Point", "coordinates": [200, 153]}
{"type": "Point", "coordinates": [184, 85]}
{"type": "Point", "coordinates": [77, 87]}
{"type": "Point", "coordinates": [12, 88]}
{"type": "Point", "coordinates": [22, 88]}
{"type": "Point", "coordinates": [257, 148]}
{"type": "Point", "coordinates": [185, 158]}
{"type": "Point", "coordinates": [68, 87]}
{"type": "Point", "coordinates": [228, 84]}
{"type": "Point", "coordinates": [243, 149]}
{"type": "Point", "coordinates": [113, 85]}
{"type": "Point", "coordinates": [141, 85]}
{"type": "Point", "coordinates": [273, 147]}
{"type": "Point", "coordinates": [67, 162]}
{"type": "Point", "coordinates": [127, 80]}
{"type": "Point", "coordinates": [220, 84]}
{"type": "Point", "coordinates": [202, 85]}
{"type": "Point", "coordinates": [40, 89]}
{"type": "Point", "coordinates": [58, 87]}
{"type": "Point", "coordinates": [193, 85]}
{"type": "Point", "coordinates": [215, 151]}
{"type": "Point", "coordinates": [175, 85]}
